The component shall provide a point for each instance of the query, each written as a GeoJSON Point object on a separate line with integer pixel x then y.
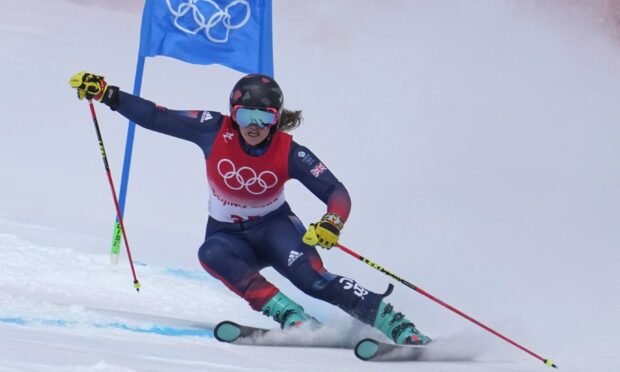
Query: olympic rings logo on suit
{"type": "Point", "coordinates": [219, 15]}
{"type": "Point", "coordinates": [246, 177]}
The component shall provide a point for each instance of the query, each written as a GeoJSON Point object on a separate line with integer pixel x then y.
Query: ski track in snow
{"type": "Point", "coordinates": [71, 308]}
{"type": "Point", "coordinates": [62, 302]}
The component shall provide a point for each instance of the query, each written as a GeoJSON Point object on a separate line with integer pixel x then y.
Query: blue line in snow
{"type": "Point", "coordinates": [182, 273]}
{"type": "Point", "coordinates": [195, 275]}
{"type": "Point", "coordinates": [19, 321]}
{"type": "Point", "coordinates": [161, 330]}
{"type": "Point", "coordinates": [155, 329]}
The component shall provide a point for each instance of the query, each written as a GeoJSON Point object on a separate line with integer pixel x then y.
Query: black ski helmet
{"type": "Point", "coordinates": [257, 91]}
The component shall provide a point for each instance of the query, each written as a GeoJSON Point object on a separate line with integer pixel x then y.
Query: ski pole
{"type": "Point", "coordinates": [136, 283]}
{"type": "Point", "coordinates": [548, 362]}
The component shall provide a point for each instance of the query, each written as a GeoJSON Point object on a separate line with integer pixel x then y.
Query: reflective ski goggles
{"type": "Point", "coordinates": [245, 116]}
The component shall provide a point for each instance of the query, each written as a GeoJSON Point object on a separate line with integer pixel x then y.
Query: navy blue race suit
{"type": "Point", "coordinates": [234, 251]}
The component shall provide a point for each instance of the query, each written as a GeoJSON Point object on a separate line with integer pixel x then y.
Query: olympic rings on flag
{"type": "Point", "coordinates": [220, 15]}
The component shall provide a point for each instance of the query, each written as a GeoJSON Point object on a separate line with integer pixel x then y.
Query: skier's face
{"type": "Point", "coordinates": [253, 134]}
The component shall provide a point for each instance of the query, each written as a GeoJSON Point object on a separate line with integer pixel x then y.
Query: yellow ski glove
{"type": "Point", "coordinates": [89, 86]}
{"type": "Point", "coordinates": [324, 233]}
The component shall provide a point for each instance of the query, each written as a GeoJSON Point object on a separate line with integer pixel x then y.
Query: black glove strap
{"type": "Point", "coordinates": [331, 227]}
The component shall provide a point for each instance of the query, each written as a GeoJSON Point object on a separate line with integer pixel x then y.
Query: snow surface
{"type": "Point", "coordinates": [479, 141]}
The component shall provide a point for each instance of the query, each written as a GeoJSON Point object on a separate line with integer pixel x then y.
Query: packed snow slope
{"type": "Point", "coordinates": [479, 141]}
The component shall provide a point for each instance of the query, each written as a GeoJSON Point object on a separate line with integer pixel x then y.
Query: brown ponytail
{"type": "Point", "coordinates": [289, 120]}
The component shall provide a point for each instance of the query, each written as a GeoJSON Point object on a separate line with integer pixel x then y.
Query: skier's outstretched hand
{"type": "Point", "coordinates": [89, 86]}
{"type": "Point", "coordinates": [324, 233]}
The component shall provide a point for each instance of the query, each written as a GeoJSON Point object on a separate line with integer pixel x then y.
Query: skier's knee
{"type": "Point", "coordinates": [211, 255]}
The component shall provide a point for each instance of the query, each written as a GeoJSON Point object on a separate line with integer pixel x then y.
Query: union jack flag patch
{"type": "Point", "coordinates": [318, 170]}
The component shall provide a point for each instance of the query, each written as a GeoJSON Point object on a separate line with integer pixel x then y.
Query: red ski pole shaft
{"type": "Point", "coordinates": [548, 362]}
{"type": "Point", "coordinates": [136, 283]}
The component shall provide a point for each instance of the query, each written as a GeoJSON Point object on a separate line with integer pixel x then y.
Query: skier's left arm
{"type": "Point", "coordinates": [305, 167]}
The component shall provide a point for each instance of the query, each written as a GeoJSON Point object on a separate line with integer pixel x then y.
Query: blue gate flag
{"type": "Point", "coordinates": [233, 33]}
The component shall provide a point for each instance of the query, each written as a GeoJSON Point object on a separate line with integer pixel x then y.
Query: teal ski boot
{"type": "Point", "coordinates": [288, 313]}
{"type": "Point", "coordinates": [397, 327]}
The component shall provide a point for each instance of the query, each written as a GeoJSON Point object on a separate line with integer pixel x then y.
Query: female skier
{"type": "Point", "coordinates": [249, 156]}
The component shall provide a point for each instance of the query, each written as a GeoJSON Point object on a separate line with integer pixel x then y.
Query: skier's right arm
{"type": "Point", "coordinates": [190, 125]}
{"type": "Point", "coordinates": [196, 126]}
